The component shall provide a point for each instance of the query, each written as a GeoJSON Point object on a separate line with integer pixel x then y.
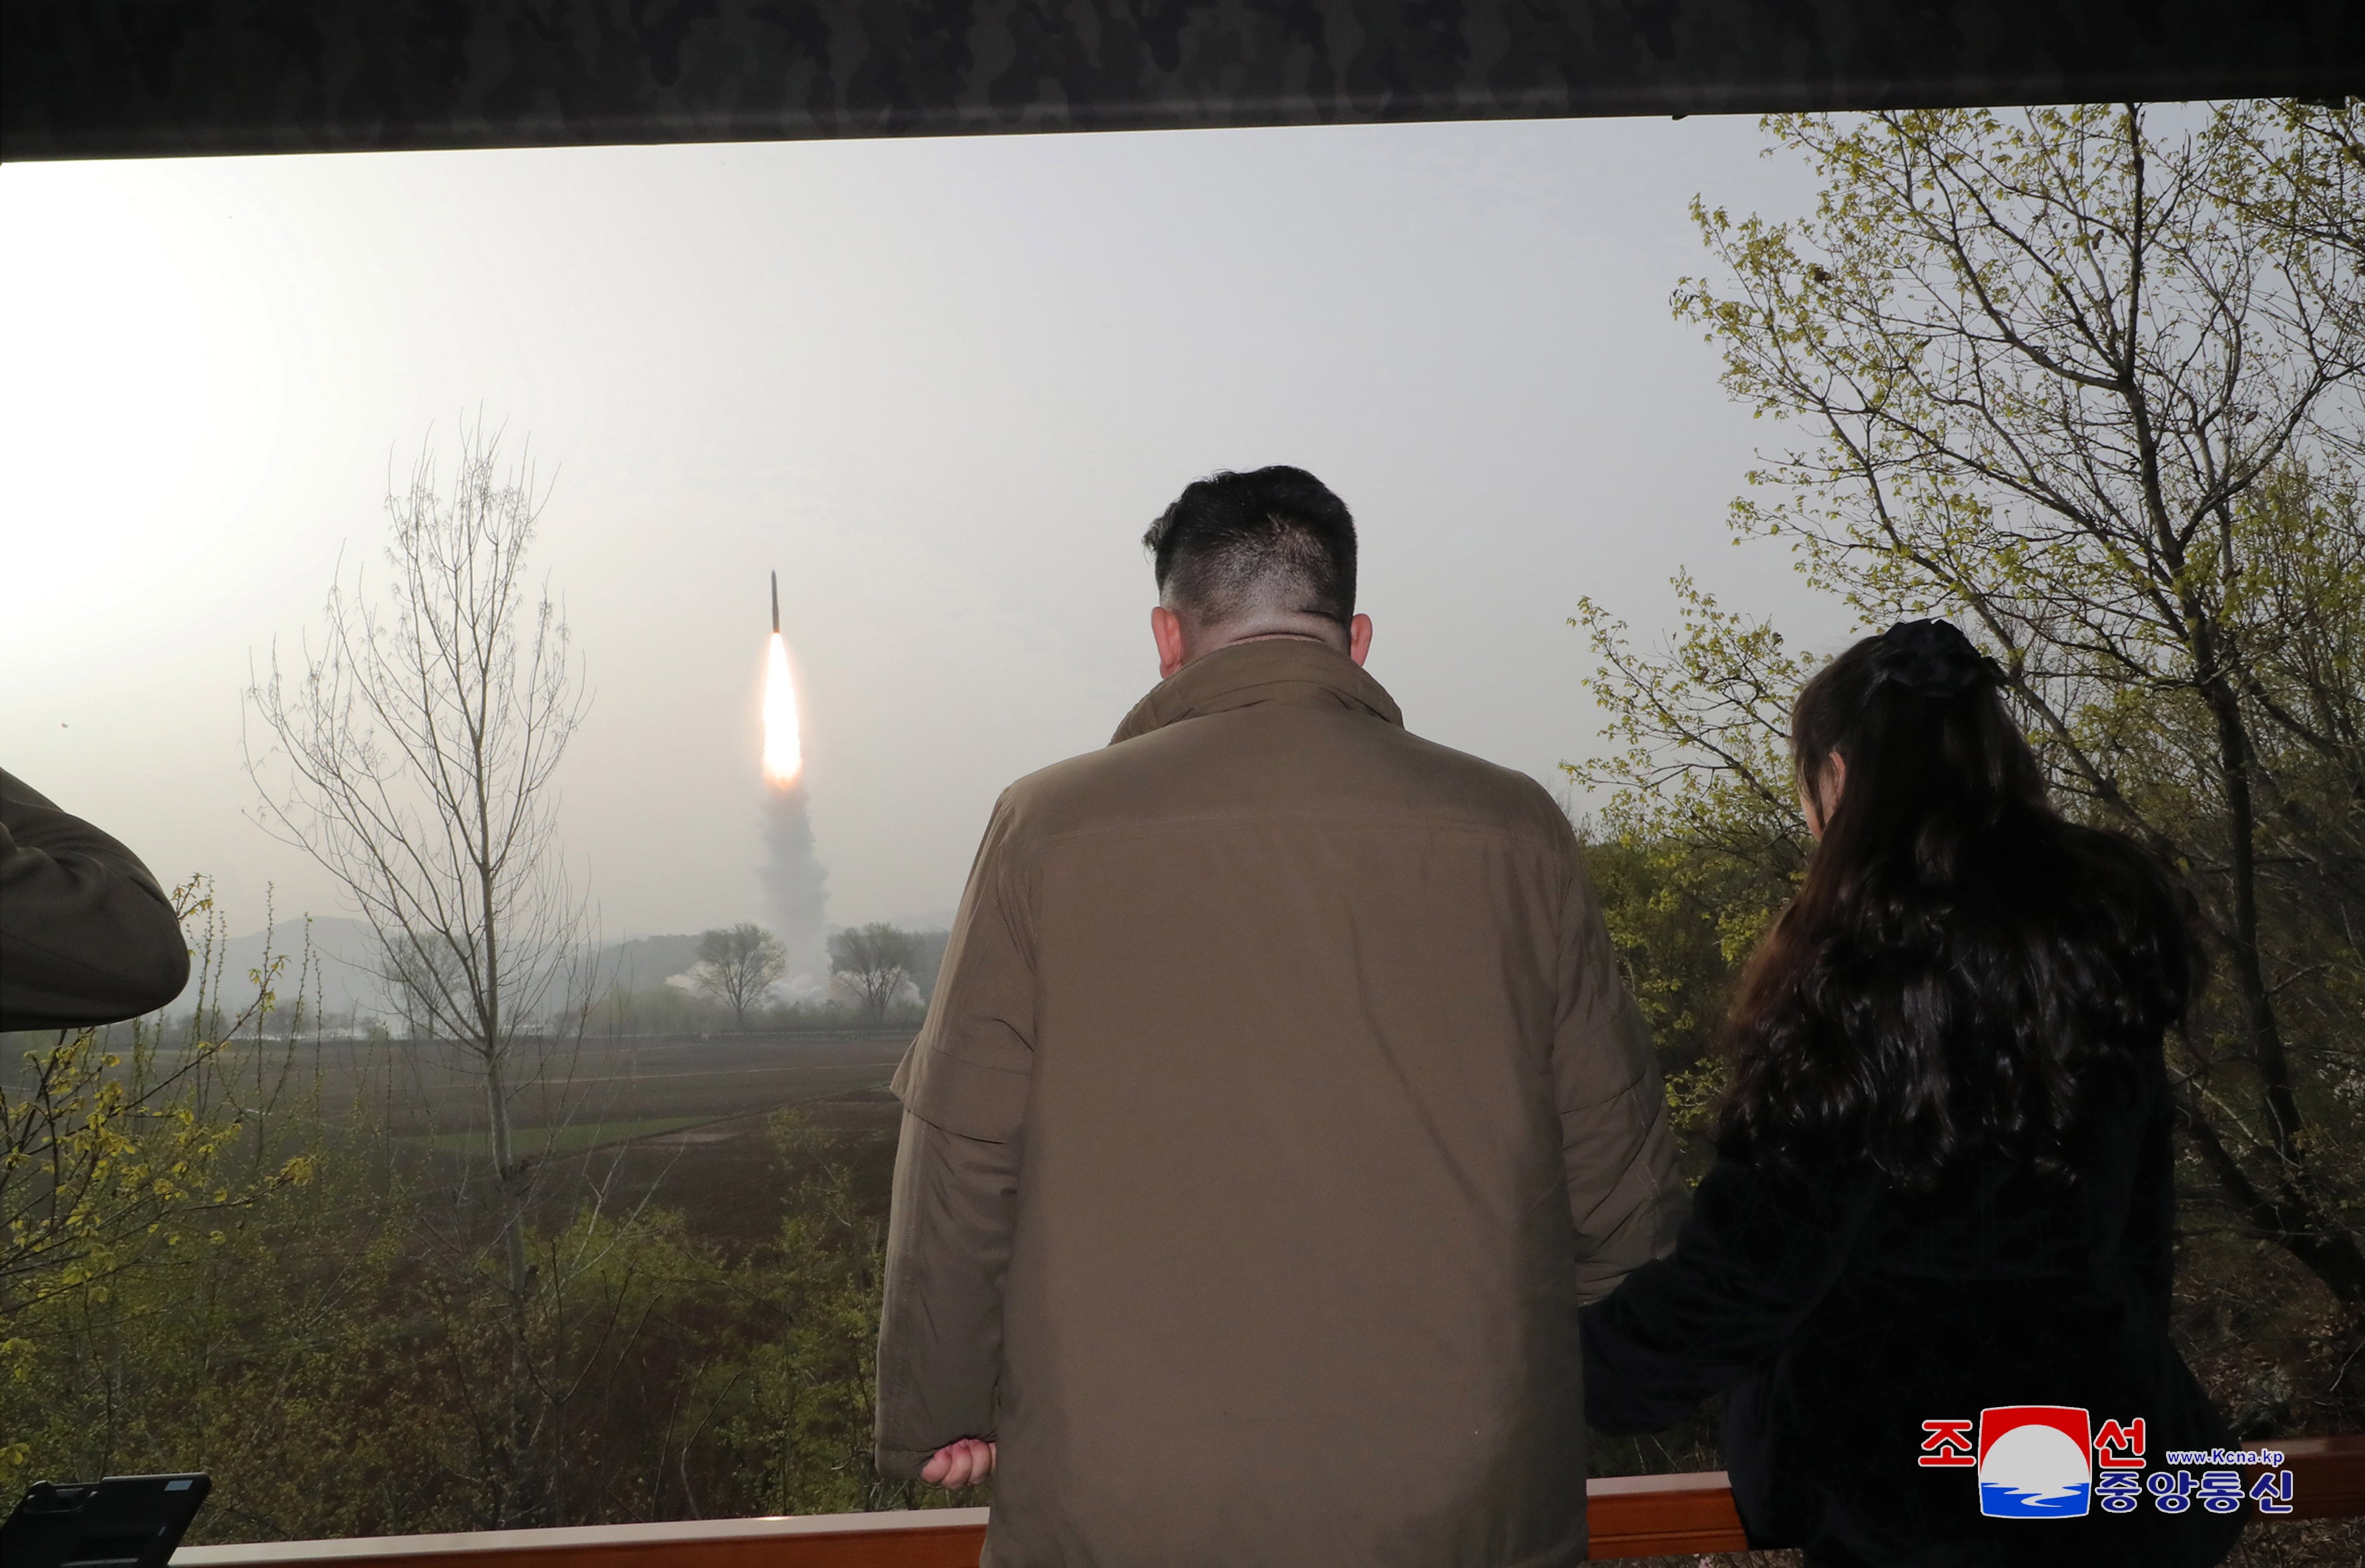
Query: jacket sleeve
{"type": "Point", "coordinates": [1757, 1255]}
{"type": "Point", "coordinates": [86, 937]}
{"type": "Point", "coordinates": [1616, 1142]}
{"type": "Point", "coordinates": [964, 1085]}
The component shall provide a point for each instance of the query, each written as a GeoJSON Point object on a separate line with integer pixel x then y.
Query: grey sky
{"type": "Point", "coordinates": [941, 386]}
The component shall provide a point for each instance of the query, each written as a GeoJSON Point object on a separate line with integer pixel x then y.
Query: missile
{"type": "Point", "coordinates": [776, 604]}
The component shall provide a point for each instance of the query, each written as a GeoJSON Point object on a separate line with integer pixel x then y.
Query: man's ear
{"type": "Point", "coordinates": [1166, 631]}
{"type": "Point", "coordinates": [1358, 638]}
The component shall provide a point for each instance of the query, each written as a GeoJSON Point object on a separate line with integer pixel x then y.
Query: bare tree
{"type": "Point", "coordinates": [736, 965]}
{"type": "Point", "coordinates": [413, 756]}
{"type": "Point", "coordinates": [875, 961]}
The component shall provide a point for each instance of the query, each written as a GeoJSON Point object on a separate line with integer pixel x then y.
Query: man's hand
{"type": "Point", "coordinates": [956, 1466]}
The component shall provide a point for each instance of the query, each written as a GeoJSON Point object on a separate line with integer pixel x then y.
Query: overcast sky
{"type": "Point", "coordinates": [940, 385]}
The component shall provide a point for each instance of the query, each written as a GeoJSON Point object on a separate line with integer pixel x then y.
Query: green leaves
{"type": "Point", "coordinates": [1701, 728]}
{"type": "Point", "coordinates": [2089, 380]}
{"type": "Point", "coordinates": [1700, 841]}
{"type": "Point", "coordinates": [104, 1156]}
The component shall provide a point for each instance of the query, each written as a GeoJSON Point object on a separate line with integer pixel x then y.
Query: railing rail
{"type": "Point", "coordinates": [1631, 1516]}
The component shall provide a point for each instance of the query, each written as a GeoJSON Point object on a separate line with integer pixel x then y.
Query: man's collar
{"type": "Point", "coordinates": [1295, 670]}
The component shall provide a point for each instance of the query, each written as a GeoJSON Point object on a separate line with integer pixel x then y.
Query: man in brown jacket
{"type": "Point", "coordinates": [1278, 1106]}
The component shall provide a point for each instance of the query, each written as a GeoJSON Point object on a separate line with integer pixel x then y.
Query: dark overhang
{"type": "Point", "coordinates": [121, 78]}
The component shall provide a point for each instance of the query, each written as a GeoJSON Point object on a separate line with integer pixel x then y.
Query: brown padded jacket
{"type": "Point", "coordinates": [1278, 1106]}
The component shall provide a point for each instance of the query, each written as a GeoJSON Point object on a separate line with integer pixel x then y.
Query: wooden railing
{"type": "Point", "coordinates": [1631, 1515]}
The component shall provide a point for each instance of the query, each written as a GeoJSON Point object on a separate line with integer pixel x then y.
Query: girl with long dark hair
{"type": "Point", "coordinates": [1930, 1269]}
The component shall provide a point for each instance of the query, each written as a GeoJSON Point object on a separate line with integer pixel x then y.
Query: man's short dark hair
{"type": "Point", "coordinates": [1276, 538]}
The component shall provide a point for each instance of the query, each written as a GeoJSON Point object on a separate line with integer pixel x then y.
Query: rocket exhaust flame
{"type": "Point", "coordinates": [783, 749]}
{"type": "Point", "coordinates": [794, 882]}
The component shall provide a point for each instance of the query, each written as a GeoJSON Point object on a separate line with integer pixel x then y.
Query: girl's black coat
{"type": "Point", "coordinates": [1840, 1313]}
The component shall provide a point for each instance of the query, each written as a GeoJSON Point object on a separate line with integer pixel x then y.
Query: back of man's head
{"type": "Point", "coordinates": [1267, 552]}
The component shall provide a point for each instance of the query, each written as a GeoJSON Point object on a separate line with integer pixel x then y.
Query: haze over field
{"type": "Point", "coordinates": [940, 385]}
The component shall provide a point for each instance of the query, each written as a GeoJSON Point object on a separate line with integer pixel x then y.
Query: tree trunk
{"type": "Point", "coordinates": [524, 1504]}
{"type": "Point", "coordinates": [2294, 1216]}
{"type": "Point", "coordinates": [2286, 1218]}
{"type": "Point", "coordinates": [2260, 1028]}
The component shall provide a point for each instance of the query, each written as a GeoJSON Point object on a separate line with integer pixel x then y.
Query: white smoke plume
{"type": "Point", "coordinates": [795, 892]}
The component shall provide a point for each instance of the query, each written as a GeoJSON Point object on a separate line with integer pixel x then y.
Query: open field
{"type": "Point", "coordinates": [728, 1178]}
{"type": "Point", "coordinates": [551, 1142]}
{"type": "Point", "coordinates": [428, 1089]}
{"type": "Point", "coordinates": [682, 1120]}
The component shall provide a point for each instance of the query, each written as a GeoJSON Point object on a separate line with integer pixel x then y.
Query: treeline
{"type": "Point", "coordinates": [880, 975]}
{"type": "Point", "coordinates": [627, 1012]}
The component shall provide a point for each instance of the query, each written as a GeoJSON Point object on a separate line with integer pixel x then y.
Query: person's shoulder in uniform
{"type": "Point", "coordinates": [87, 935]}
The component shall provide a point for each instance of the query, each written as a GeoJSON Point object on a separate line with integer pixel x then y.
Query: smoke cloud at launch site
{"type": "Point", "coordinates": [796, 897]}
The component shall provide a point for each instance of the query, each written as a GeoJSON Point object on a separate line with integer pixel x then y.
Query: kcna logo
{"type": "Point", "coordinates": [2035, 1462]}
{"type": "Point", "coordinates": [2040, 1461]}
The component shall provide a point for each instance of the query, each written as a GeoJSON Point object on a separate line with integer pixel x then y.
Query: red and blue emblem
{"type": "Point", "coordinates": [2035, 1462]}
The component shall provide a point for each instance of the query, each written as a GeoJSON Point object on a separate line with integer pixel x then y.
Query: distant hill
{"type": "Point", "coordinates": [643, 961]}
{"type": "Point", "coordinates": [344, 959]}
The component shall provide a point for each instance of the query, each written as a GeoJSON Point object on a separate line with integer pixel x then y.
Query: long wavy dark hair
{"type": "Point", "coordinates": [1961, 965]}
